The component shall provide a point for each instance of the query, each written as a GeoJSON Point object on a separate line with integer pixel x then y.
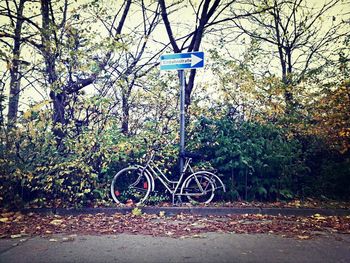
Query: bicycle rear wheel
{"type": "Point", "coordinates": [198, 188]}
{"type": "Point", "coordinates": [130, 186]}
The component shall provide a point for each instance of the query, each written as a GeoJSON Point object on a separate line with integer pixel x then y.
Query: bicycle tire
{"type": "Point", "coordinates": [130, 186]}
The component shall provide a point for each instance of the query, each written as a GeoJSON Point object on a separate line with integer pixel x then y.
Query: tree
{"type": "Point", "coordinates": [13, 10]}
{"type": "Point", "coordinates": [52, 43]}
{"type": "Point", "coordinates": [301, 36]}
{"type": "Point", "coordinates": [208, 16]}
{"type": "Point", "coordinates": [192, 41]}
{"type": "Point", "coordinates": [329, 109]}
{"type": "Point", "coordinates": [135, 60]}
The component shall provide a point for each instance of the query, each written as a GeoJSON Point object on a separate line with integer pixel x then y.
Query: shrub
{"type": "Point", "coordinates": [257, 161]}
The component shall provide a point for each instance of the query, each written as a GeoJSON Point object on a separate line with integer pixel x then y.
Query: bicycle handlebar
{"type": "Point", "coordinates": [193, 155]}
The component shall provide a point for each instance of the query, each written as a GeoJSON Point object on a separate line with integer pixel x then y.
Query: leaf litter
{"type": "Point", "coordinates": [177, 226]}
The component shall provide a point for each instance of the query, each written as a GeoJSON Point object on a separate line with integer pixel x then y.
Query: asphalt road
{"type": "Point", "coordinates": [211, 247]}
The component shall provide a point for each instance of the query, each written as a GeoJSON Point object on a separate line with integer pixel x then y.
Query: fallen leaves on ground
{"type": "Point", "coordinates": [181, 225]}
{"type": "Point", "coordinates": [306, 203]}
{"type": "Point", "coordinates": [296, 203]}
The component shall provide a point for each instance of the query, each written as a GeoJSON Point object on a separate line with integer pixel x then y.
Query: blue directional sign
{"type": "Point", "coordinates": [178, 61]}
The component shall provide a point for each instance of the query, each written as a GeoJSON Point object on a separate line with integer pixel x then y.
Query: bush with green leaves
{"type": "Point", "coordinates": [329, 170]}
{"type": "Point", "coordinates": [257, 161]}
{"type": "Point", "coordinates": [37, 167]}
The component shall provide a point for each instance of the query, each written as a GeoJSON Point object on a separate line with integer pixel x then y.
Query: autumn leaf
{"type": "Point", "coordinates": [169, 233]}
{"type": "Point", "coordinates": [198, 236]}
{"type": "Point", "coordinates": [4, 219]}
{"type": "Point", "coordinates": [303, 237]}
{"type": "Point", "coordinates": [161, 214]}
{"type": "Point", "coordinates": [67, 239]}
{"type": "Point", "coordinates": [129, 203]}
{"type": "Point", "coordinates": [318, 217]}
{"type": "Point", "coordinates": [56, 222]}
{"type": "Point", "coordinates": [16, 236]}
{"type": "Point", "coordinates": [136, 211]}
{"type": "Point", "coordinates": [7, 214]}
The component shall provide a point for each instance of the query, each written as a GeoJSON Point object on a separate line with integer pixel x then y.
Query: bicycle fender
{"type": "Point", "coordinates": [212, 177]}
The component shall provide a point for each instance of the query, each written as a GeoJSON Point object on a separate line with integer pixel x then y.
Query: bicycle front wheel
{"type": "Point", "coordinates": [198, 188]}
{"type": "Point", "coordinates": [130, 186]}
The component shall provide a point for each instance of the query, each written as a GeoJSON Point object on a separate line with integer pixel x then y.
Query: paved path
{"type": "Point", "coordinates": [211, 247]}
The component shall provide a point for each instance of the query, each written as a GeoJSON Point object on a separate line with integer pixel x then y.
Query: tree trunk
{"type": "Point", "coordinates": [125, 114]}
{"type": "Point", "coordinates": [15, 88]}
{"type": "Point", "coordinates": [57, 94]}
{"type": "Point", "coordinates": [288, 94]}
{"type": "Point", "coordinates": [15, 76]}
{"type": "Point", "coordinates": [2, 102]}
{"type": "Point", "coordinates": [285, 57]}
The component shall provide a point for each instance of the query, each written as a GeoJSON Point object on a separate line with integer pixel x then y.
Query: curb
{"type": "Point", "coordinates": [204, 211]}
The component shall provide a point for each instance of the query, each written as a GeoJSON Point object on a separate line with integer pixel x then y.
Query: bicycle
{"type": "Point", "coordinates": [132, 185]}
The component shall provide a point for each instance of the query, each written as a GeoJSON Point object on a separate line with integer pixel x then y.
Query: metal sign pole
{"type": "Point", "coordinates": [182, 118]}
{"type": "Point", "coordinates": [179, 62]}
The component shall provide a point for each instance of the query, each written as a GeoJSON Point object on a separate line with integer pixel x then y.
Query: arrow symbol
{"type": "Point", "coordinates": [195, 60]}
{"type": "Point", "coordinates": [179, 61]}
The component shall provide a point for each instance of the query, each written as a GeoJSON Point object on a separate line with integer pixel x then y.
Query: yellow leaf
{"type": "Point", "coordinates": [27, 114]}
{"type": "Point", "coordinates": [56, 222]}
{"type": "Point", "coordinates": [304, 237]}
{"type": "Point", "coordinates": [16, 236]}
{"type": "Point", "coordinates": [4, 219]}
{"type": "Point", "coordinates": [136, 211]}
{"type": "Point", "coordinates": [318, 217]}
{"type": "Point", "coordinates": [198, 236]}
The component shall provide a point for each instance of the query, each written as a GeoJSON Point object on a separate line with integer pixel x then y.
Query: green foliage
{"type": "Point", "coordinates": [136, 211]}
{"type": "Point", "coordinates": [253, 156]}
{"type": "Point", "coordinates": [329, 170]}
{"type": "Point", "coordinates": [36, 168]}
{"type": "Point", "coordinates": [156, 198]}
{"type": "Point", "coordinates": [263, 148]}
{"type": "Point", "coordinates": [255, 160]}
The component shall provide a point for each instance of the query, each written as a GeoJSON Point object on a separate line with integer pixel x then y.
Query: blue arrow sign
{"type": "Point", "coordinates": [182, 61]}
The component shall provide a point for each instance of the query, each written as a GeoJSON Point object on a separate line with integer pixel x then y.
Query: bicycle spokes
{"type": "Point", "coordinates": [130, 186]}
{"type": "Point", "coordinates": [199, 188]}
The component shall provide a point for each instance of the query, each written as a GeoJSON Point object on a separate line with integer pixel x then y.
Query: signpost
{"type": "Point", "coordinates": [179, 62]}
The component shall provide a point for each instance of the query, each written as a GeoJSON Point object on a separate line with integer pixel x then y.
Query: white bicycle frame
{"type": "Point", "coordinates": [153, 172]}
